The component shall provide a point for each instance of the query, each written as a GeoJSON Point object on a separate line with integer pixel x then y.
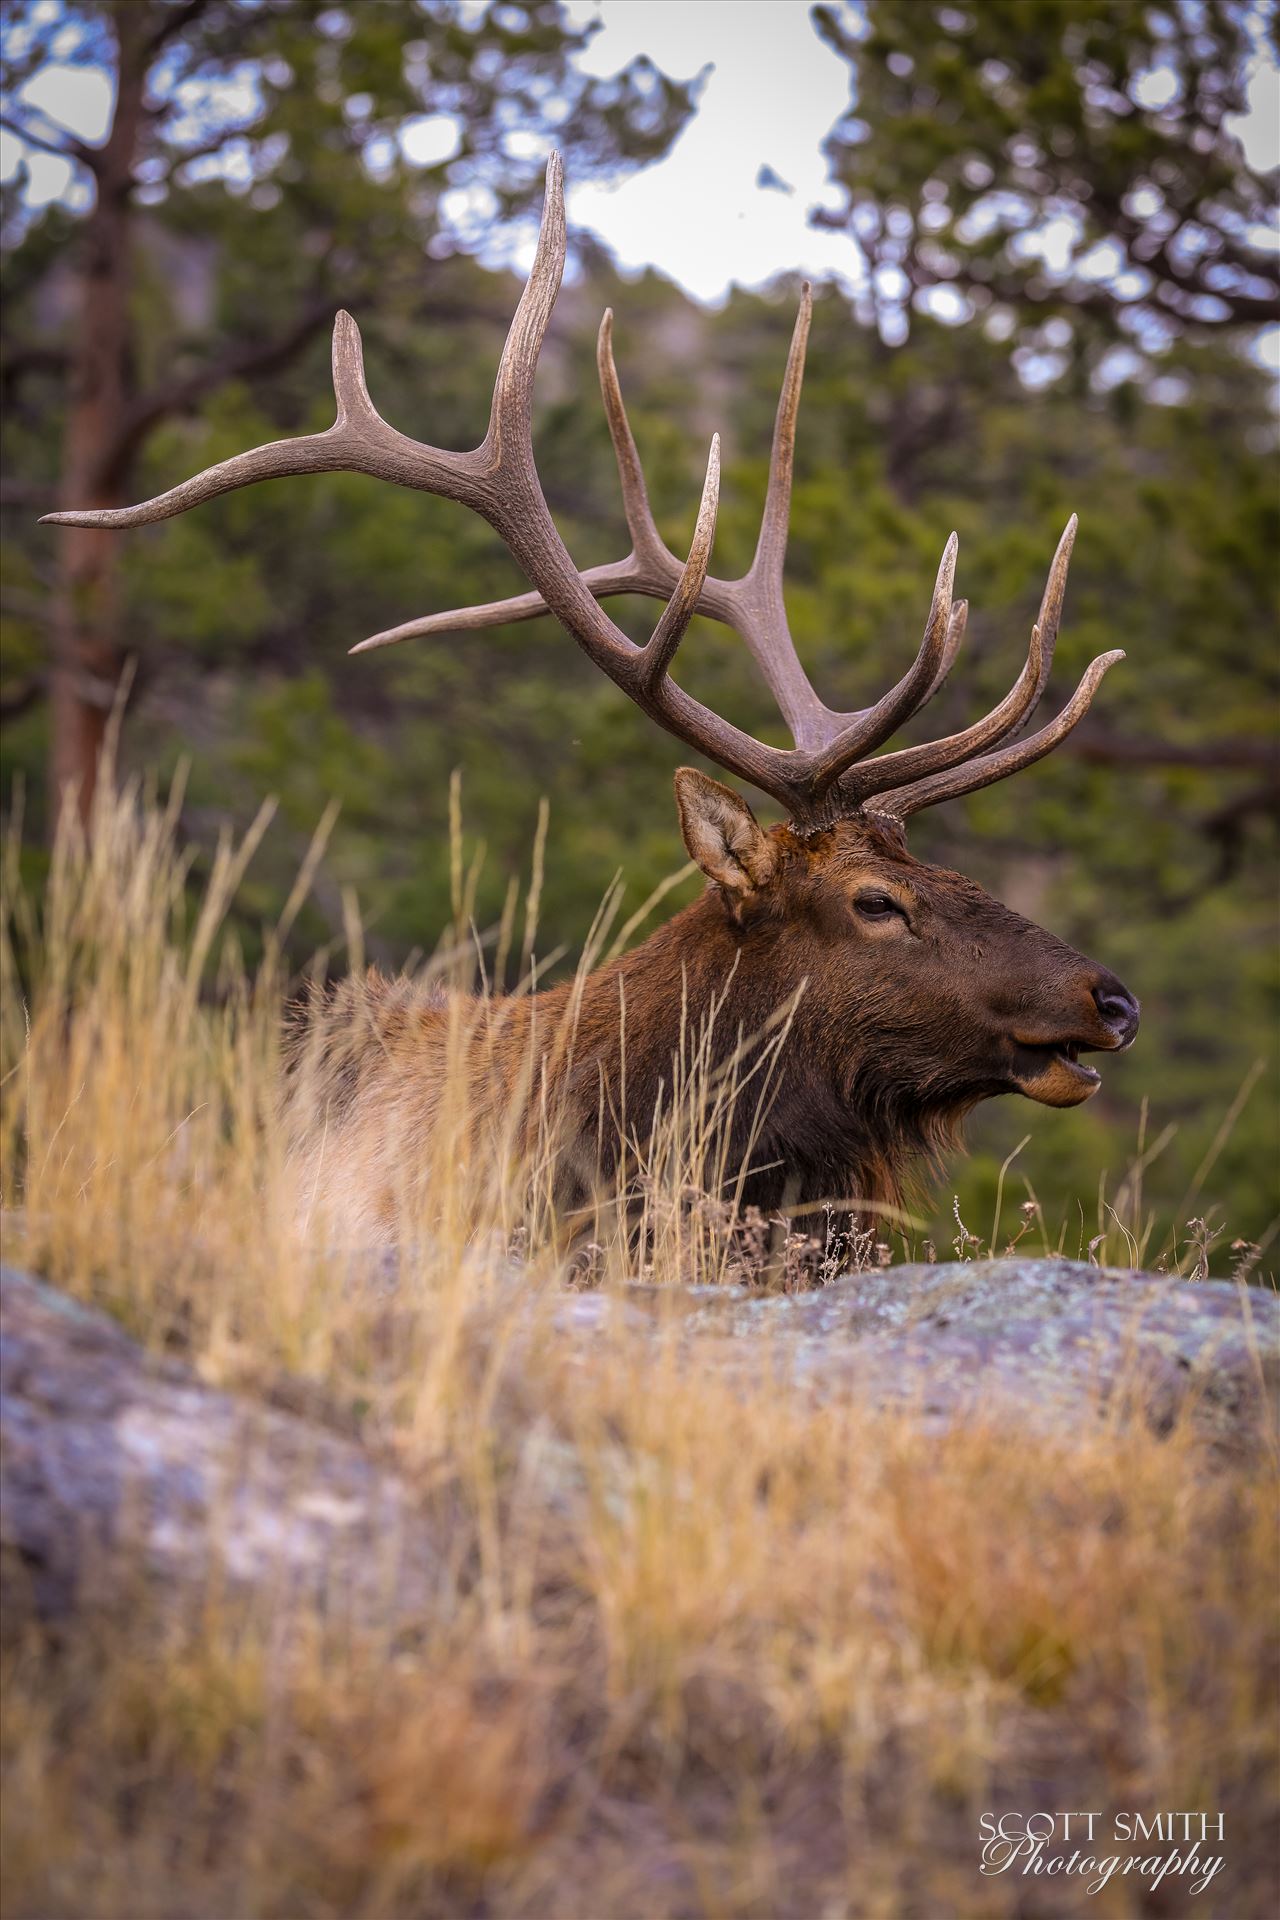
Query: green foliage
{"type": "Point", "coordinates": [973, 126]}
{"type": "Point", "coordinates": [282, 166]}
{"type": "Point", "coordinates": [267, 160]}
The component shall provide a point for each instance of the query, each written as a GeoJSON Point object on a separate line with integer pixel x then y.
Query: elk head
{"type": "Point", "coordinates": [951, 996]}
{"type": "Point", "coordinates": [916, 979]}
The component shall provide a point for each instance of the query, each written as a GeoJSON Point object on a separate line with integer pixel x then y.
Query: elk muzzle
{"type": "Point", "coordinates": [1046, 1065]}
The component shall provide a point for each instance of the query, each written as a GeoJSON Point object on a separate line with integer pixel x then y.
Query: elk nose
{"type": "Point", "coordinates": [1118, 1008]}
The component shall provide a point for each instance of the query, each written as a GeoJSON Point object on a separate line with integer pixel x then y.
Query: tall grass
{"type": "Point", "coordinates": [700, 1646]}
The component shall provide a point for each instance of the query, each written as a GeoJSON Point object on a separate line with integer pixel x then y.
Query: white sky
{"type": "Point", "coordinates": [774, 91]}
{"type": "Point", "coordinates": [699, 216]}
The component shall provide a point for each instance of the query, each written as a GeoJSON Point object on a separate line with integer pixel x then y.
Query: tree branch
{"type": "Point", "coordinates": [24, 694]}
{"type": "Point", "coordinates": [177, 396]}
{"type": "Point", "coordinates": [1171, 279]}
{"type": "Point", "coordinates": [214, 144]}
{"type": "Point", "coordinates": [178, 19]}
{"type": "Point", "coordinates": [70, 149]}
{"type": "Point", "coordinates": [33, 358]}
{"type": "Point", "coordinates": [1106, 750]}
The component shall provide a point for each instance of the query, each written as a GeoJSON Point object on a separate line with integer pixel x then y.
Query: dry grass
{"type": "Point", "coordinates": [700, 1648]}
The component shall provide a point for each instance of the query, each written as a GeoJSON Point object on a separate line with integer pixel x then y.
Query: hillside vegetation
{"type": "Point", "coordinates": [695, 1639]}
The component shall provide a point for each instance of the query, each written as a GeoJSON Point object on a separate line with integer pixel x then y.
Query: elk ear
{"type": "Point", "coordinates": [723, 835]}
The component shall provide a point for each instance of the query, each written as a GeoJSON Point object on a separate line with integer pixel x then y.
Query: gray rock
{"type": "Point", "coordinates": [120, 1472]}
{"type": "Point", "coordinates": [1033, 1341]}
{"type": "Point", "coordinates": [120, 1475]}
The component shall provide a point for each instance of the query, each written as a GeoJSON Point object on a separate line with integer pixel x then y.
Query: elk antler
{"type": "Point", "coordinates": [753, 605]}
{"type": "Point", "coordinates": [827, 772]}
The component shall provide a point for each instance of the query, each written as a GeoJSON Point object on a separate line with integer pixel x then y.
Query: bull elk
{"type": "Point", "coordinates": [911, 993]}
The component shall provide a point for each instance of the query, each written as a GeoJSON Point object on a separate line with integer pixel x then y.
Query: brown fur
{"type": "Point", "coordinates": [899, 1025]}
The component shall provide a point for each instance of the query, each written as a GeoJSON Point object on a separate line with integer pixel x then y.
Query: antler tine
{"type": "Point", "coordinates": [680, 609]}
{"type": "Point", "coordinates": [870, 728]}
{"type": "Point", "coordinates": [955, 637]}
{"type": "Point", "coordinates": [650, 569]}
{"type": "Point", "coordinates": [624, 576]}
{"type": "Point", "coordinates": [359, 441]}
{"type": "Point", "coordinates": [941, 644]}
{"type": "Point", "coordinates": [771, 545]}
{"type": "Point", "coordinates": [753, 606]}
{"type": "Point", "coordinates": [1050, 619]}
{"type": "Point", "coordinates": [985, 771]}
{"type": "Point", "coordinates": [510, 433]}
{"type": "Point", "coordinates": [894, 770]}
{"type": "Point", "coordinates": [498, 480]}
{"type": "Point", "coordinates": [601, 583]}
{"type": "Point", "coordinates": [647, 543]}
{"type": "Point", "coordinates": [911, 763]}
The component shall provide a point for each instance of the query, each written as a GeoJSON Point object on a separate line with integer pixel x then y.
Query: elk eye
{"type": "Point", "coordinates": [876, 906]}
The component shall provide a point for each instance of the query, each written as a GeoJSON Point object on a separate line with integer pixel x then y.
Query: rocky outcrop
{"type": "Point", "coordinates": [119, 1470]}
{"type": "Point", "coordinates": [121, 1475]}
{"type": "Point", "coordinates": [1039, 1342]}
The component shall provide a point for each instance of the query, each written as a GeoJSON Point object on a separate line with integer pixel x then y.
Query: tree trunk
{"type": "Point", "coordinates": [86, 603]}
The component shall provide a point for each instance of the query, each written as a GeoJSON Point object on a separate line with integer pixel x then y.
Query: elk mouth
{"type": "Point", "coordinates": [1053, 1073]}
